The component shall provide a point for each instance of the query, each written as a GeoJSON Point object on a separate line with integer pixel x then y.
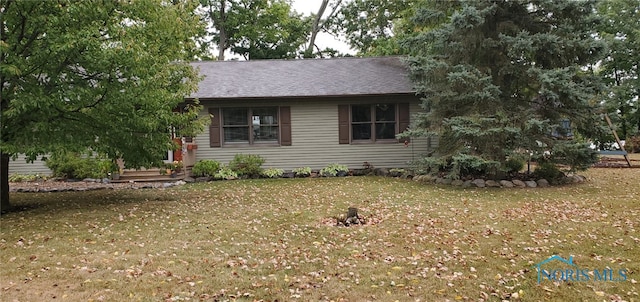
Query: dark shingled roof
{"type": "Point", "coordinates": [302, 78]}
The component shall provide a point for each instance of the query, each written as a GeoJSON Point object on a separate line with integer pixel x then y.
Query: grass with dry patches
{"type": "Point", "coordinates": [275, 240]}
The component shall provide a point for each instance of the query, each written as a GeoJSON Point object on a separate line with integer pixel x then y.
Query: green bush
{"type": "Point", "coordinates": [334, 170]}
{"type": "Point", "coordinates": [548, 171]}
{"type": "Point", "coordinates": [25, 177]}
{"type": "Point", "coordinates": [77, 165]}
{"type": "Point", "coordinates": [302, 171]}
{"type": "Point", "coordinates": [273, 173]}
{"type": "Point", "coordinates": [247, 165]}
{"type": "Point", "coordinates": [578, 156]}
{"type": "Point", "coordinates": [463, 165]}
{"type": "Point", "coordinates": [429, 165]}
{"type": "Point", "coordinates": [514, 165]}
{"type": "Point", "coordinates": [225, 173]}
{"type": "Point", "coordinates": [206, 167]}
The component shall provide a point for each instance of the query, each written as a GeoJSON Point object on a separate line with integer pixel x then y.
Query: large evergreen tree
{"type": "Point", "coordinates": [103, 75]}
{"type": "Point", "coordinates": [500, 78]}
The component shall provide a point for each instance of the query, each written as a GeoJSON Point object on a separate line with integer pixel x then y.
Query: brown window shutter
{"type": "Point", "coordinates": [214, 128]}
{"type": "Point", "coordinates": [285, 126]}
{"type": "Point", "coordinates": [404, 119]}
{"type": "Point", "coordinates": [343, 124]}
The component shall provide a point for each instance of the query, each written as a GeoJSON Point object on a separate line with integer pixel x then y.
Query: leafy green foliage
{"type": "Point", "coordinates": [501, 77]}
{"type": "Point", "coordinates": [206, 167]}
{"type": "Point", "coordinates": [302, 171]}
{"type": "Point", "coordinates": [470, 165]}
{"type": "Point", "coordinates": [225, 173]}
{"type": "Point", "coordinates": [374, 27]}
{"type": "Point", "coordinates": [578, 156]}
{"type": "Point", "coordinates": [273, 173]}
{"type": "Point", "coordinates": [334, 170]}
{"type": "Point", "coordinates": [258, 29]}
{"type": "Point", "coordinates": [247, 165]}
{"type": "Point", "coordinates": [25, 177]}
{"type": "Point", "coordinates": [77, 165]}
{"type": "Point", "coordinates": [548, 171]}
{"type": "Point", "coordinates": [514, 164]}
{"type": "Point", "coordinates": [78, 75]}
{"type": "Point", "coordinates": [620, 68]}
{"type": "Point", "coordinates": [107, 166]}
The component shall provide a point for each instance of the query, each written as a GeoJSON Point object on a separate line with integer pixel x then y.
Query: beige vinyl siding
{"type": "Point", "coordinates": [314, 131]}
{"type": "Point", "coordinates": [20, 166]}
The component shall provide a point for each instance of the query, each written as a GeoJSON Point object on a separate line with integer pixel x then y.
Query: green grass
{"type": "Point", "coordinates": [276, 240]}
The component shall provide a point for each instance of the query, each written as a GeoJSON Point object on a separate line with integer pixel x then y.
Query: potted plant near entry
{"type": "Point", "coordinates": [174, 168]}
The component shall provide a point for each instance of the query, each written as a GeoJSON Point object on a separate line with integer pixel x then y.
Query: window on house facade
{"type": "Point", "coordinates": [250, 125]}
{"type": "Point", "coordinates": [266, 126]}
{"type": "Point", "coordinates": [373, 122]}
{"type": "Point", "coordinates": [379, 122]}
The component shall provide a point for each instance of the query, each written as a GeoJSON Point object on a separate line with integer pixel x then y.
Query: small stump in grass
{"type": "Point", "coordinates": [351, 218]}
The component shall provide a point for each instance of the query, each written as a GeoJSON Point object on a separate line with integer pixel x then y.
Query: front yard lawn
{"type": "Point", "coordinates": [276, 240]}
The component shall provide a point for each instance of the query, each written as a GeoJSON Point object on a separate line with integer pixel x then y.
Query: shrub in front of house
{"type": "Point", "coordinates": [514, 165]}
{"type": "Point", "coordinates": [247, 165]}
{"type": "Point", "coordinates": [76, 165]}
{"type": "Point", "coordinates": [334, 170]}
{"type": "Point", "coordinates": [272, 173]}
{"type": "Point", "coordinates": [206, 168]}
{"type": "Point", "coordinates": [548, 171]}
{"type": "Point", "coordinates": [16, 177]}
{"type": "Point", "coordinates": [225, 173]}
{"type": "Point", "coordinates": [302, 172]}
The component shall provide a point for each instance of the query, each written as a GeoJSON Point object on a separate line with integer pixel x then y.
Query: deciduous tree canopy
{"type": "Point", "coordinates": [256, 29]}
{"type": "Point", "coordinates": [621, 29]}
{"type": "Point", "coordinates": [103, 75]}
{"type": "Point", "coordinates": [374, 27]}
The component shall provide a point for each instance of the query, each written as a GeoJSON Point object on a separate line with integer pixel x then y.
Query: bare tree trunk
{"type": "Point", "coordinates": [222, 45]}
{"type": "Point", "coordinates": [5, 205]}
{"type": "Point", "coordinates": [4, 104]}
{"type": "Point", "coordinates": [315, 28]}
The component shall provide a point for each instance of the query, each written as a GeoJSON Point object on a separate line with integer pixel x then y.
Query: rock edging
{"type": "Point", "coordinates": [505, 183]}
{"type": "Point", "coordinates": [51, 186]}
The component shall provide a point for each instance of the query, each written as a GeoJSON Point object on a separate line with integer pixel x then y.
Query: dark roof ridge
{"type": "Point", "coordinates": [299, 59]}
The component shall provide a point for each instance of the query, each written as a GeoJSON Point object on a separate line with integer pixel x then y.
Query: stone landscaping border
{"type": "Point", "coordinates": [52, 185]}
{"type": "Point", "coordinates": [513, 183]}
{"type": "Point", "coordinates": [58, 185]}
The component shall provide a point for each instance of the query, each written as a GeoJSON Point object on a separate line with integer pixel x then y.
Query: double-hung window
{"type": "Point", "coordinates": [373, 122]}
{"type": "Point", "coordinates": [241, 126]}
{"type": "Point", "coordinates": [250, 125]}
